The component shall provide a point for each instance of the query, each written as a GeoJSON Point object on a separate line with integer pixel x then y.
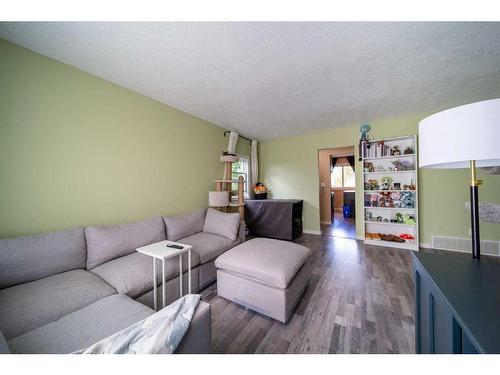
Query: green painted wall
{"type": "Point", "coordinates": [290, 167]}
{"type": "Point", "coordinates": [77, 150]}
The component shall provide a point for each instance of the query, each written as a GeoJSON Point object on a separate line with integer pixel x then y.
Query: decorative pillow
{"type": "Point", "coordinates": [184, 225]}
{"type": "Point", "coordinates": [110, 242]}
{"type": "Point", "coordinates": [223, 224]}
{"type": "Point", "coordinates": [30, 258]}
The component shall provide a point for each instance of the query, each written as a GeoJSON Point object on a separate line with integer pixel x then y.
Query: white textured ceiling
{"type": "Point", "coordinates": [269, 80]}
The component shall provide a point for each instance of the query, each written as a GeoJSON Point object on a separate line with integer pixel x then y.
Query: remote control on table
{"type": "Point", "coordinates": [175, 246]}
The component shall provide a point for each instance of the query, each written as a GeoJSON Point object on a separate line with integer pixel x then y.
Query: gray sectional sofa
{"type": "Point", "coordinates": [63, 291]}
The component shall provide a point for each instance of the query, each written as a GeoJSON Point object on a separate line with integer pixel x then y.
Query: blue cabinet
{"type": "Point", "coordinates": [457, 304]}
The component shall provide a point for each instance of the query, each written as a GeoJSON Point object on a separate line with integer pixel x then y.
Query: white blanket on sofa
{"type": "Point", "coordinates": [159, 333]}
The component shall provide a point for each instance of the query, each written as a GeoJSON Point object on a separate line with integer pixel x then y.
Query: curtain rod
{"type": "Point", "coordinates": [239, 136]}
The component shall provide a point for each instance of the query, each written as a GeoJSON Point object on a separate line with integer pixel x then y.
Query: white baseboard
{"type": "Point", "coordinates": [308, 231]}
{"type": "Point", "coordinates": [427, 245]}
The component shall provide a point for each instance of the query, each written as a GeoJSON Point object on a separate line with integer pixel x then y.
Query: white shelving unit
{"type": "Point", "coordinates": [381, 215]}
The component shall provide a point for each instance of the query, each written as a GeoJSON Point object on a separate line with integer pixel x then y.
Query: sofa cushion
{"type": "Point", "coordinates": [184, 225]}
{"type": "Point", "coordinates": [82, 328]}
{"type": "Point", "coordinates": [110, 242]}
{"type": "Point", "coordinates": [133, 274]}
{"type": "Point", "coordinates": [273, 262]}
{"type": "Point", "coordinates": [28, 306]}
{"type": "Point", "coordinates": [208, 245]}
{"type": "Point", "coordinates": [222, 224]}
{"type": "Point", "coordinates": [31, 258]}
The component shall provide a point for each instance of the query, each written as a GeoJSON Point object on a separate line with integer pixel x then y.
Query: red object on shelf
{"type": "Point", "coordinates": [406, 236]}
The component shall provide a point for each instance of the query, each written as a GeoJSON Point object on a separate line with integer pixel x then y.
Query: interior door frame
{"type": "Point", "coordinates": [343, 151]}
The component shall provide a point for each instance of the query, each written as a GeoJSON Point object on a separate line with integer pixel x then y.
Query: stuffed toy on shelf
{"type": "Point", "coordinates": [407, 199]}
{"type": "Point", "coordinates": [386, 183]}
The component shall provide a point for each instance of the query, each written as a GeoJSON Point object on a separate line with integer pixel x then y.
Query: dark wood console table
{"type": "Point", "coordinates": [457, 304]}
{"type": "Point", "coordinates": [274, 218]}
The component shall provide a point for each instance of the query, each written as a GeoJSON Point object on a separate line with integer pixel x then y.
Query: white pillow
{"type": "Point", "coordinates": [223, 224]}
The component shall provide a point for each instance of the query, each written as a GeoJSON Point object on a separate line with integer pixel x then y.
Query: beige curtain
{"type": "Point", "coordinates": [254, 161]}
{"type": "Point", "coordinates": [233, 140]}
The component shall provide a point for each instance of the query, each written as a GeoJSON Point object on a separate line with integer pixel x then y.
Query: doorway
{"type": "Point", "coordinates": [337, 184]}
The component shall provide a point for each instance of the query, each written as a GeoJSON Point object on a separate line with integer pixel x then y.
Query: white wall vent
{"type": "Point", "coordinates": [465, 245]}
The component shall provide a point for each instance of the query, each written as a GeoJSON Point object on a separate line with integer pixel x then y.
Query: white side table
{"type": "Point", "coordinates": [159, 250]}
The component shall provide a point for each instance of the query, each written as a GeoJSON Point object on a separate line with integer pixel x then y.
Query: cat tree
{"type": "Point", "coordinates": [221, 198]}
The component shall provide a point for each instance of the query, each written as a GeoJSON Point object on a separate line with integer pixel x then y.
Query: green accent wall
{"type": "Point", "coordinates": [76, 150]}
{"type": "Point", "coordinates": [290, 167]}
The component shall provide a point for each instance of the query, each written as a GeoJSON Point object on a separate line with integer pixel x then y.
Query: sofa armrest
{"type": "Point", "coordinates": [199, 335]}
{"type": "Point", "coordinates": [242, 231]}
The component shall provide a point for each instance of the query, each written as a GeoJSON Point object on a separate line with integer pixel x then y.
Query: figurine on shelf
{"type": "Point", "coordinates": [408, 165]}
{"type": "Point", "coordinates": [374, 200]}
{"type": "Point", "coordinates": [409, 219]}
{"type": "Point", "coordinates": [395, 151]}
{"type": "Point", "coordinates": [373, 184]}
{"type": "Point", "coordinates": [408, 150]}
{"type": "Point", "coordinates": [404, 165]}
{"type": "Point", "coordinates": [386, 199]}
{"type": "Point", "coordinates": [381, 201]}
{"type": "Point", "coordinates": [407, 200]}
{"type": "Point", "coordinates": [386, 182]}
{"type": "Point", "coordinates": [364, 139]}
{"type": "Point", "coordinates": [399, 217]}
{"type": "Point", "coordinates": [397, 166]}
{"type": "Point", "coordinates": [396, 199]}
{"type": "Point", "coordinates": [369, 167]}
{"type": "Point", "coordinates": [397, 186]}
{"type": "Point", "coordinates": [411, 186]}
{"type": "Point", "coordinates": [380, 168]}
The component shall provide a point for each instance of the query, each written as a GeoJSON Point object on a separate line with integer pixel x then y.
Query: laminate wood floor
{"type": "Point", "coordinates": [341, 227]}
{"type": "Point", "coordinates": [359, 300]}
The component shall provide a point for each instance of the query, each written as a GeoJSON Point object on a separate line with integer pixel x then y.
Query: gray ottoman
{"type": "Point", "coordinates": [265, 275]}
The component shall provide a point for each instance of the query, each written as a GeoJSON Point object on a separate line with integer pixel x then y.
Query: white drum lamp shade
{"type": "Point", "coordinates": [452, 138]}
{"type": "Point", "coordinates": [463, 137]}
{"type": "Point", "coordinates": [218, 198]}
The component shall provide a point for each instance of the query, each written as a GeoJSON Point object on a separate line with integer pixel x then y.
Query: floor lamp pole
{"type": "Point", "coordinates": [474, 210]}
